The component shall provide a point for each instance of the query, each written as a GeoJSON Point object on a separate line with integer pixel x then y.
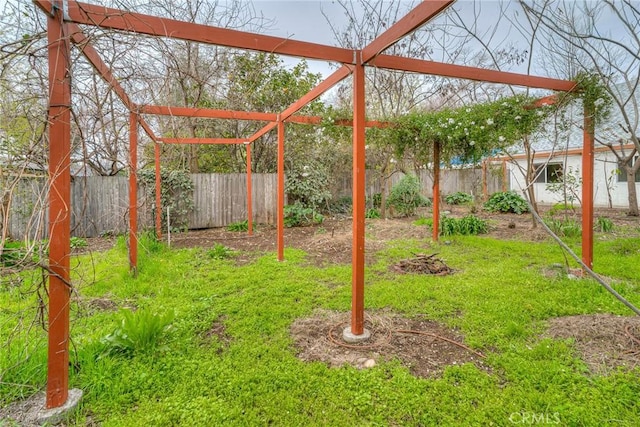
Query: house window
{"type": "Point", "coordinates": [548, 173]}
{"type": "Point", "coordinates": [622, 174]}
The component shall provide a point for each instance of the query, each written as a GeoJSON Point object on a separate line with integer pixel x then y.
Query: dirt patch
{"type": "Point", "coordinates": [424, 264]}
{"type": "Point", "coordinates": [217, 331]}
{"type": "Point", "coordinates": [424, 346]}
{"type": "Point", "coordinates": [330, 242]}
{"type": "Point", "coordinates": [604, 341]}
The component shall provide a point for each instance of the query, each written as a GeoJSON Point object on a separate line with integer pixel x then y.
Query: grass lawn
{"type": "Point", "coordinates": [499, 299]}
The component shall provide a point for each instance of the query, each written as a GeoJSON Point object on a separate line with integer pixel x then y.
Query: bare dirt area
{"type": "Point", "coordinates": [330, 242]}
{"type": "Point", "coordinates": [604, 341]}
{"type": "Point", "coordinates": [424, 346]}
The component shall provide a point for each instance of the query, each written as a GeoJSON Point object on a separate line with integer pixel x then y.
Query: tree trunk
{"type": "Point", "coordinates": [633, 195]}
{"type": "Point", "coordinates": [530, 179]}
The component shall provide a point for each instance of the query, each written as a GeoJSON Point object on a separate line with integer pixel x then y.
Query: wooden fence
{"type": "Point", "coordinates": [100, 204]}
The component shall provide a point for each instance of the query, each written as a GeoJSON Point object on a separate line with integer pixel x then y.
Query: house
{"type": "Point", "coordinates": [558, 158]}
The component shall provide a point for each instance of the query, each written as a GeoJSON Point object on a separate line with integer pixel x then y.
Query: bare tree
{"type": "Point", "coordinates": [605, 36]}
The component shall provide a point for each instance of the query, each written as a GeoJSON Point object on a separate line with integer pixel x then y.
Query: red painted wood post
{"type": "Point", "coordinates": [587, 186]}
{"type": "Point", "coordinates": [158, 183]}
{"type": "Point", "coordinates": [357, 255]}
{"type": "Point", "coordinates": [436, 190]}
{"type": "Point", "coordinates": [133, 193]}
{"type": "Point", "coordinates": [280, 204]}
{"type": "Point", "coordinates": [59, 208]}
{"type": "Point", "coordinates": [249, 190]}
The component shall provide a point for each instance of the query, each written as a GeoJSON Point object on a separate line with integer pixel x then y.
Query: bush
{"type": "Point", "coordinates": [372, 213]}
{"type": "Point", "coordinates": [405, 196]}
{"type": "Point", "coordinates": [469, 225]}
{"type": "Point", "coordinates": [603, 224]}
{"type": "Point", "coordinates": [297, 215]}
{"type": "Point", "coordinates": [341, 205]}
{"type": "Point", "coordinates": [308, 185]}
{"type": "Point", "coordinates": [459, 198]}
{"type": "Point", "coordinates": [139, 332]}
{"type": "Point", "coordinates": [13, 252]}
{"type": "Point", "coordinates": [239, 226]}
{"type": "Point", "coordinates": [220, 252]}
{"type": "Point", "coordinates": [423, 221]}
{"type": "Point", "coordinates": [507, 201]}
{"type": "Point", "coordinates": [564, 227]}
{"type": "Point", "coordinates": [176, 193]}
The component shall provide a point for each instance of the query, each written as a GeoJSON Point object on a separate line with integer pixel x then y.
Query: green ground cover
{"type": "Point", "coordinates": [499, 299]}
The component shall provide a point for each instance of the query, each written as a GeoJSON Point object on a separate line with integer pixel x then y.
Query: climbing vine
{"type": "Point", "coordinates": [176, 194]}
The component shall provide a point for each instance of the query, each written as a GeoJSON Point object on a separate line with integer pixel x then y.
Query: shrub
{"type": "Point", "coordinates": [468, 225]}
{"type": "Point", "coordinates": [405, 196]}
{"type": "Point", "coordinates": [603, 224]}
{"type": "Point", "coordinates": [13, 252]}
{"type": "Point", "coordinates": [564, 227]}
{"type": "Point", "coordinates": [459, 198]}
{"type": "Point", "coordinates": [423, 221]}
{"type": "Point", "coordinates": [220, 252]}
{"type": "Point", "coordinates": [141, 331]}
{"type": "Point", "coordinates": [297, 215]}
{"type": "Point", "coordinates": [341, 205]}
{"type": "Point", "coordinates": [372, 213]}
{"type": "Point", "coordinates": [507, 201]}
{"type": "Point", "coordinates": [176, 193]}
{"type": "Point", "coordinates": [77, 242]}
{"type": "Point", "coordinates": [308, 185]}
{"type": "Point", "coordinates": [239, 226]}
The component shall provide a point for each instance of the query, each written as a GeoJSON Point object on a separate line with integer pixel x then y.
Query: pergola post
{"type": "Point", "coordinates": [436, 190]}
{"type": "Point", "coordinates": [133, 193]}
{"type": "Point", "coordinates": [249, 191]}
{"type": "Point", "coordinates": [158, 184]}
{"type": "Point", "coordinates": [587, 186]}
{"type": "Point", "coordinates": [280, 202]}
{"type": "Point", "coordinates": [59, 208]}
{"type": "Point", "coordinates": [357, 255]}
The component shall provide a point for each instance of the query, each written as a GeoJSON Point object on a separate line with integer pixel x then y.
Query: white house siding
{"type": "Point", "coordinates": [604, 165]}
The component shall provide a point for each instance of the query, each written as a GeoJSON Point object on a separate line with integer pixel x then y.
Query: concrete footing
{"type": "Point", "coordinates": [351, 338]}
{"type": "Point", "coordinates": [54, 416]}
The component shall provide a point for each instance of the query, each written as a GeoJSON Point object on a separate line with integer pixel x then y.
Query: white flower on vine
{"type": "Point", "coordinates": [305, 174]}
{"type": "Point", "coordinates": [468, 110]}
{"type": "Point", "coordinates": [501, 138]}
{"type": "Point", "coordinates": [489, 122]}
{"type": "Point", "coordinates": [472, 143]}
{"type": "Point", "coordinates": [449, 137]}
{"type": "Point", "coordinates": [451, 121]}
{"type": "Point", "coordinates": [539, 112]}
{"type": "Point", "coordinates": [598, 102]}
{"type": "Point", "coordinates": [392, 160]}
{"type": "Point", "coordinates": [481, 127]}
{"type": "Point", "coordinates": [473, 123]}
{"type": "Point", "coordinates": [517, 117]}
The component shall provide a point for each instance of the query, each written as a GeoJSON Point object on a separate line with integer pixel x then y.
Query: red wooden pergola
{"type": "Point", "coordinates": [64, 18]}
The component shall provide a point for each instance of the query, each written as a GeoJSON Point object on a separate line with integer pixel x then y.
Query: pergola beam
{"type": "Point", "coordinates": [205, 141]}
{"type": "Point", "coordinates": [115, 19]}
{"type": "Point", "coordinates": [208, 113]}
{"type": "Point", "coordinates": [470, 73]}
{"type": "Point", "coordinates": [420, 14]}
